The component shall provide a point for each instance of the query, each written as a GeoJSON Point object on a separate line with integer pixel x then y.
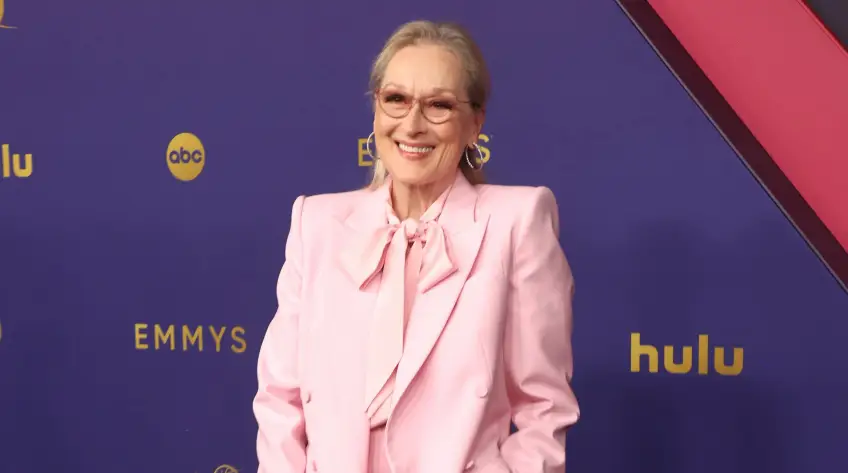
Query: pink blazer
{"type": "Point", "coordinates": [489, 344]}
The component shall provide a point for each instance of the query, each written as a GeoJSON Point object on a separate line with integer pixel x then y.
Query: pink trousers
{"type": "Point", "coordinates": [377, 461]}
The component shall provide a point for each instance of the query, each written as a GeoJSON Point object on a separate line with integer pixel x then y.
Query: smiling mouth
{"type": "Point", "coordinates": [413, 152]}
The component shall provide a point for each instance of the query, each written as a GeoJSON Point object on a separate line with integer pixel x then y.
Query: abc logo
{"type": "Point", "coordinates": [186, 157]}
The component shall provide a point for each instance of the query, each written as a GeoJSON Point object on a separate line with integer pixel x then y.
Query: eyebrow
{"type": "Point", "coordinates": [435, 90]}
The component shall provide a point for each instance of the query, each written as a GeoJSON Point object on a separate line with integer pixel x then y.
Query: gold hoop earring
{"type": "Point", "coordinates": [468, 158]}
{"type": "Point", "coordinates": [368, 147]}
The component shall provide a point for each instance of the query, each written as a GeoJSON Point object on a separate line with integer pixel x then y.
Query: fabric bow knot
{"type": "Point", "coordinates": [425, 237]}
{"type": "Point", "coordinates": [412, 256]}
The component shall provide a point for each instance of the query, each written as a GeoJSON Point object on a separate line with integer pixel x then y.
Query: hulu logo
{"type": "Point", "coordinates": [679, 360]}
{"type": "Point", "coordinates": [11, 165]}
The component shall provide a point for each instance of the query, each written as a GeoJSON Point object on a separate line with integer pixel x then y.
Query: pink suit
{"type": "Point", "coordinates": [487, 339]}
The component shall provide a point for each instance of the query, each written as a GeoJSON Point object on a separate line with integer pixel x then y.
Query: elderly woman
{"type": "Point", "coordinates": [420, 316]}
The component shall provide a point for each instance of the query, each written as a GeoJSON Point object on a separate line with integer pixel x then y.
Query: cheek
{"type": "Point", "coordinates": [449, 133]}
{"type": "Point", "coordinates": [449, 158]}
{"type": "Point", "coordinates": [382, 126]}
{"type": "Point", "coordinates": [383, 130]}
{"type": "Point", "coordinates": [452, 140]}
{"type": "Point", "coordinates": [455, 133]}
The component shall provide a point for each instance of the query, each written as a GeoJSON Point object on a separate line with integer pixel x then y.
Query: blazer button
{"type": "Point", "coordinates": [469, 465]}
{"type": "Point", "coordinates": [482, 391]}
{"type": "Point", "coordinates": [307, 397]}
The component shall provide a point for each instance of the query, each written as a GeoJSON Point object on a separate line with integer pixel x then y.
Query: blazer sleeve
{"type": "Point", "coordinates": [537, 345]}
{"type": "Point", "coordinates": [281, 439]}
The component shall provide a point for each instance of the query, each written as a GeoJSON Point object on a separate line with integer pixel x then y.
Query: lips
{"type": "Point", "coordinates": [414, 151]}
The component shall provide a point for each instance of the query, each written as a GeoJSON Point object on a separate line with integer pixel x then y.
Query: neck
{"type": "Point", "coordinates": [411, 201]}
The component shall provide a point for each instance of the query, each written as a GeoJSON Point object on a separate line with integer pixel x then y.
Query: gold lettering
{"type": "Point", "coordinates": [703, 354]}
{"type": "Point", "coordinates": [2, 10]}
{"type": "Point", "coordinates": [5, 156]}
{"type": "Point", "coordinates": [25, 171]}
{"type": "Point", "coordinates": [684, 366]}
{"type": "Point", "coordinates": [192, 338]}
{"type": "Point", "coordinates": [363, 157]}
{"type": "Point", "coordinates": [139, 336]}
{"type": "Point", "coordinates": [735, 368]}
{"type": "Point", "coordinates": [241, 345]}
{"type": "Point", "coordinates": [12, 163]}
{"type": "Point", "coordinates": [163, 337]}
{"type": "Point", "coordinates": [668, 360]}
{"type": "Point", "coordinates": [637, 350]}
{"type": "Point", "coordinates": [485, 152]}
{"type": "Point", "coordinates": [217, 335]}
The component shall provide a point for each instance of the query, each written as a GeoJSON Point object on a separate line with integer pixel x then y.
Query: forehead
{"type": "Point", "coordinates": [424, 69]}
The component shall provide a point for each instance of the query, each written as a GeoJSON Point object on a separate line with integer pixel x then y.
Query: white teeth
{"type": "Point", "coordinates": [415, 149]}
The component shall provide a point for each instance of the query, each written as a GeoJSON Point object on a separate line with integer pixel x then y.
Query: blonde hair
{"type": "Point", "coordinates": [456, 39]}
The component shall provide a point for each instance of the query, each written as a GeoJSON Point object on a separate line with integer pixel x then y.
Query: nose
{"type": "Point", "coordinates": [414, 121]}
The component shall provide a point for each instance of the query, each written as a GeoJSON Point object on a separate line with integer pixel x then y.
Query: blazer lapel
{"type": "Point", "coordinates": [361, 253]}
{"type": "Point", "coordinates": [464, 232]}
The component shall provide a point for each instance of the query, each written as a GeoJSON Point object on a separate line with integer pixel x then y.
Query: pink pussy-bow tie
{"type": "Point", "coordinates": [427, 263]}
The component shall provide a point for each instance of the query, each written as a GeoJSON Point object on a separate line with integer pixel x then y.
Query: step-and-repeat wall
{"type": "Point", "coordinates": [135, 289]}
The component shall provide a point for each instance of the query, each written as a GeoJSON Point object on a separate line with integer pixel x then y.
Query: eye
{"type": "Point", "coordinates": [394, 97]}
{"type": "Point", "coordinates": [442, 104]}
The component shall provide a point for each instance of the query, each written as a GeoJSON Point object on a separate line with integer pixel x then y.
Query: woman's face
{"type": "Point", "coordinates": [422, 119]}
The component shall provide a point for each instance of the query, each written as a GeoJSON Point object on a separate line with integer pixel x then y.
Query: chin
{"type": "Point", "coordinates": [411, 175]}
{"type": "Point", "coordinates": [416, 171]}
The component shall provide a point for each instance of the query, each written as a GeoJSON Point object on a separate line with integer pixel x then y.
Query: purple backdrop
{"type": "Point", "coordinates": [113, 272]}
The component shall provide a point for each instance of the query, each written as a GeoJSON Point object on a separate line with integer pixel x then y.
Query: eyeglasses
{"type": "Point", "coordinates": [436, 109]}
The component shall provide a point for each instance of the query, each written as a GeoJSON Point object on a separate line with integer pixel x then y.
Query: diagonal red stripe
{"type": "Point", "coordinates": [785, 76]}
